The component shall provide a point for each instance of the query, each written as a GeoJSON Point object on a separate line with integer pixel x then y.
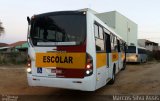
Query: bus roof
{"type": "Point", "coordinates": [141, 47]}
{"type": "Point", "coordinates": [59, 13]}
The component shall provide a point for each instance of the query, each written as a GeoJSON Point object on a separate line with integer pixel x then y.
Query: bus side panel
{"type": "Point", "coordinates": [102, 69]}
{"type": "Point", "coordinates": [115, 61]}
{"type": "Point", "coordinates": [119, 60]}
{"type": "Point", "coordinates": [90, 46]}
{"type": "Point", "coordinates": [110, 70]}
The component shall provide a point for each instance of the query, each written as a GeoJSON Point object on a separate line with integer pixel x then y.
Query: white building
{"type": "Point", "coordinates": [149, 45]}
{"type": "Point", "coordinates": [123, 26]}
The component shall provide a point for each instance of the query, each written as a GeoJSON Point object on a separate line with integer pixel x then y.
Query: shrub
{"type": "Point", "coordinates": [13, 58]}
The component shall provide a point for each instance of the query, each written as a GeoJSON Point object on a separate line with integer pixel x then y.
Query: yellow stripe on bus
{"type": "Point", "coordinates": [63, 60]}
{"type": "Point", "coordinates": [114, 56]}
{"type": "Point", "coordinates": [101, 59]}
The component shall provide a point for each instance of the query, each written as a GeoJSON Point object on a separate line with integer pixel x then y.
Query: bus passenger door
{"type": "Point", "coordinates": [101, 57]}
{"type": "Point", "coordinates": [108, 51]}
{"type": "Point", "coordinates": [120, 61]}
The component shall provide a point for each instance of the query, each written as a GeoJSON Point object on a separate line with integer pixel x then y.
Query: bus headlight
{"type": "Point", "coordinates": [87, 72]}
{"type": "Point", "coordinates": [29, 70]}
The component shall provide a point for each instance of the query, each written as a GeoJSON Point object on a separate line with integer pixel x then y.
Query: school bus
{"type": "Point", "coordinates": [73, 50]}
{"type": "Point", "coordinates": [136, 54]}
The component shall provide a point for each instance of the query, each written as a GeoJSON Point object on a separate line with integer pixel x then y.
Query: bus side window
{"type": "Point", "coordinates": [145, 51]}
{"type": "Point", "coordinates": [99, 44]}
{"type": "Point", "coordinates": [99, 38]}
{"type": "Point", "coordinates": [121, 46]}
{"type": "Point", "coordinates": [108, 43]}
{"type": "Point", "coordinates": [114, 45]}
{"type": "Point", "coordinates": [118, 45]}
{"type": "Point", "coordinates": [96, 30]}
{"type": "Point", "coordinates": [112, 42]}
{"type": "Point", "coordinates": [100, 32]}
{"type": "Point", "coordinates": [139, 51]}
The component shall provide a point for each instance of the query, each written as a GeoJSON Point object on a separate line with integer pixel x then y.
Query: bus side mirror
{"type": "Point", "coordinates": [29, 20]}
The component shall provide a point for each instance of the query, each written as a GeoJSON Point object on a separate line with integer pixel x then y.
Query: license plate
{"type": "Point", "coordinates": [56, 71]}
{"type": "Point", "coordinates": [53, 70]}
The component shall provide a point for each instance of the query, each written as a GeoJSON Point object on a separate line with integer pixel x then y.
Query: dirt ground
{"type": "Point", "coordinates": [136, 79]}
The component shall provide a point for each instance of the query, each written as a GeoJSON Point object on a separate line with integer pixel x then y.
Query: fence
{"type": "Point", "coordinates": [154, 55]}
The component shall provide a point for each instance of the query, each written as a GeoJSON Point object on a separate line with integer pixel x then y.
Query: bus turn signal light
{"type": "Point", "coordinates": [89, 65]}
{"type": "Point", "coordinates": [29, 70]}
{"type": "Point", "coordinates": [29, 65]}
{"type": "Point", "coordinates": [29, 62]}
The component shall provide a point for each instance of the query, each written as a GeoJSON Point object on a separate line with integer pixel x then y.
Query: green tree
{"type": "Point", "coordinates": [1, 28]}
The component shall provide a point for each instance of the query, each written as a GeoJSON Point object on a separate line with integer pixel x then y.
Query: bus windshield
{"type": "Point", "coordinates": [58, 29]}
{"type": "Point", "coordinates": [131, 49]}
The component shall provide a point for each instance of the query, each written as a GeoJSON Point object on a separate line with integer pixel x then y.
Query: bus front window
{"type": "Point", "coordinates": [131, 49]}
{"type": "Point", "coordinates": [53, 29]}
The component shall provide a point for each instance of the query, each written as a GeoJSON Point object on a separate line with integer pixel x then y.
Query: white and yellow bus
{"type": "Point", "coordinates": [73, 50]}
{"type": "Point", "coordinates": [136, 54]}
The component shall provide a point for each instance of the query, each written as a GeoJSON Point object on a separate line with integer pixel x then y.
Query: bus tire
{"type": "Point", "coordinates": [113, 76]}
{"type": "Point", "coordinates": [124, 66]}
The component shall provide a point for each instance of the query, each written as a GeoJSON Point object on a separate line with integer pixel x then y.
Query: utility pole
{"type": "Point", "coordinates": [127, 34]}
{"type": "Point", "coordinates": [128, 30]}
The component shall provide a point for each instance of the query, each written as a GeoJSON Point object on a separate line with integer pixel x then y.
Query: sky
{"type": "Point", "coordinates": [13, 14]}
